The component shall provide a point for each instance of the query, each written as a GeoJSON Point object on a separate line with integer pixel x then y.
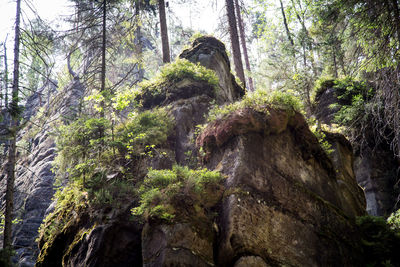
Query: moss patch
{"type": "Point", "coordinates": [170, 195]}
{"type": "Point", "coordinates": [166, 84]}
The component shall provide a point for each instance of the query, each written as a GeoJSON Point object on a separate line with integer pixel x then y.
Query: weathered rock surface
{"type": "Point", "coordinates": [284, 202]}
{"type": "Point", "coordinates": [211, 53]}
{"type": "Point", "coordinates": [375, 167]}
{"type": "Point", "coordinates": [34, 179]}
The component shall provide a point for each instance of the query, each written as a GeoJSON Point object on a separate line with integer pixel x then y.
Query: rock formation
{"type": "Point", "coordinates": [35, 180]}
{"type": "Point", "coordinates": [282, 201]}
{"type": "Point", "coordinates": [375, 166]}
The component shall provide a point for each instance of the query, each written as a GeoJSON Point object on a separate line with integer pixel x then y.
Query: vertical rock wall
{"type": "Point", "coordinates": [34, 179]}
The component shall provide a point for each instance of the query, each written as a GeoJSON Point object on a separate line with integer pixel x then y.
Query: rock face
{"type": "Point", "coordinates": [283, 202]}
{"type": "Point", "coordinates": [211, 53]}
{"type": "Point", "coordinates": [34, 178]}
{"type": "Point", "coordinates": [375, 167]}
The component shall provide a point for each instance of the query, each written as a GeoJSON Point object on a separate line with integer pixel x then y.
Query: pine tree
{"type": "Point", "coordinates": [164, 32]}
{"type": "Point", "coordinates": [243, 41]}
{"type": "Point", "coordinates": [237, 58]}
{"type": "Point", "coordinates": [14, 124]}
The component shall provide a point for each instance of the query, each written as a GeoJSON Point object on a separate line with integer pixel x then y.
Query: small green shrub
{"type": "Point", "coordinates": [259, 100]}
{"type": "Point", "coordinates": [180, 69]}
{"type": "Point", "coordinates": [161, 188]}
{"type": "Point", "coordinates": [143, 132]}
{"type": "Point", "coordinates": [80, 145]}
{"type": "Point", "coordinates": [394, 221]}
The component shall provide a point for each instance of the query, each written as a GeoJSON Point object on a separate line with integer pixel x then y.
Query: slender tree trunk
{"type": "Point", "coordinates": [307, 41]}
{"type": "Point", "coordinates": [335, 64]}
{"type": "Point", "coordinates": [237, 55]}
{"type": "Point", "coordinates": [5, 74]}
{"type": "Point", "coordinates": [164, 32]}
{"type": "Point", "coordinates": [289, 36]}
{"type": "Point", "coordinates": [103, 58]}
{"type": "Point", "coordinates": [138, 42]}
{"type": "Point", "coordinates": [243, 41]}
{"type": "Point", "coordinates": [7, 242]}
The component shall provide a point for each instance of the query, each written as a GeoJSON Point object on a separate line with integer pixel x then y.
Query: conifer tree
{"type": "Point", "coordinates": [14, 124]}
{"type": "Point", "coordinates": [233, 32]}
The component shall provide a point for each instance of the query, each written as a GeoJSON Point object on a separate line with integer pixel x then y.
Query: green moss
{"type": "Point", "coordinates": [69, 202]}
{"type": "Point", "coordinates": [143, 132]}
{"type": "Point", "coordinates": [78, 238]}
{"type": "Point", "coordinates": [164, 194]}
{"type": "Point", "coordinates": [155, 90]}
{"type": "Point", "coordinates": [260, 101]}
{"type": "Point", "coordinates": [321, 85]}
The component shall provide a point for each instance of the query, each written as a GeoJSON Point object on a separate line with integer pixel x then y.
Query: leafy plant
{"type": "Point", "coordinates": [164, 192]}
{"type": "Point", "coordinates": [80, 145]}
{"type": "Point", "coordinates": [394, 221]}
{"type": "Point", "coordinates": [143, 132]}
{"type": "Point", "coordinates": [157, 88]}
{"type": "Point", "coordinates": [260, 101]}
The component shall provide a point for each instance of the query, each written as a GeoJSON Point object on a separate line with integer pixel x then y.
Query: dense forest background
{"type": "Point", "coordinates": [115, 48]}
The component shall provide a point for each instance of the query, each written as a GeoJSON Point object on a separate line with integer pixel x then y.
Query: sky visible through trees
{"type": "Point", "coordinates": [202, 15]}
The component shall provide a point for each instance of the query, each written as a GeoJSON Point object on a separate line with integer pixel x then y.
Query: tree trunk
{"type": "Point", "coordinates": [7, 242]}
{"type": "Point", "coordinates": [335, 64]}
{"type": "Point", "coordinates": [164, 32]}
{"type": "Point", "coordinates": [103, 59]}
{"type": "Point", "coordinates": [289, 36]}
{"type": "Point", "coordinates": [243, 41]}
{"type": "Point", "coordinates": [138, 42]}
{"type": "Point", "coordinates": [5, 74]}
{"type": "Point", "coordinates": [237, 57]}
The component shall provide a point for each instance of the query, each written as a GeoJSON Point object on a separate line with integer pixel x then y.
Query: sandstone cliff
{"type": "Point", "coordinates": [375, 165]}
{"type": "Point", "coordinates": [282, 200]}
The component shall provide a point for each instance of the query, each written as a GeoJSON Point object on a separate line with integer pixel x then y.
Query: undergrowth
{"type": "Point", "coordinates": [165, 193]}
{"type": "Point", "coordinates": [260, 101]}
{"type": "Point", "coordinates": [172, 73]}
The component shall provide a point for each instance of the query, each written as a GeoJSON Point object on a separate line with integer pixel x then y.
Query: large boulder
{"type": "Point", "coordinates": [283, 201]}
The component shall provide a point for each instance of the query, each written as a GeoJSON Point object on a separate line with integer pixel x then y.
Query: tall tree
{"type": "Point", "coordinates": [288, 33]}
{"type": "Point", "coordinates": [237, 55]}
{"type": "Point", "coordinates": [164, 32]}
{"type": "Point", "coordinates": [14, 123]}
{"type": "Point", "coordinates": [103, 56]}
{"type": "Point", "coordinates": [5, 74]}
{"type": "Point", "coordinates": [244, 45]}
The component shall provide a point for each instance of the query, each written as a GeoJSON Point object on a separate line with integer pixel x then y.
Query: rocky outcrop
{"type": "Point", "coordinates": [282, 202]}
{"type": "Point", "coordinates": [211, 53]}
{"type": "Point", "coordinates": [375, 166]}
{"type": "Point", "coordinates": [285, 204]}
{"type": "Point", "coordinates": [34, 185]}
